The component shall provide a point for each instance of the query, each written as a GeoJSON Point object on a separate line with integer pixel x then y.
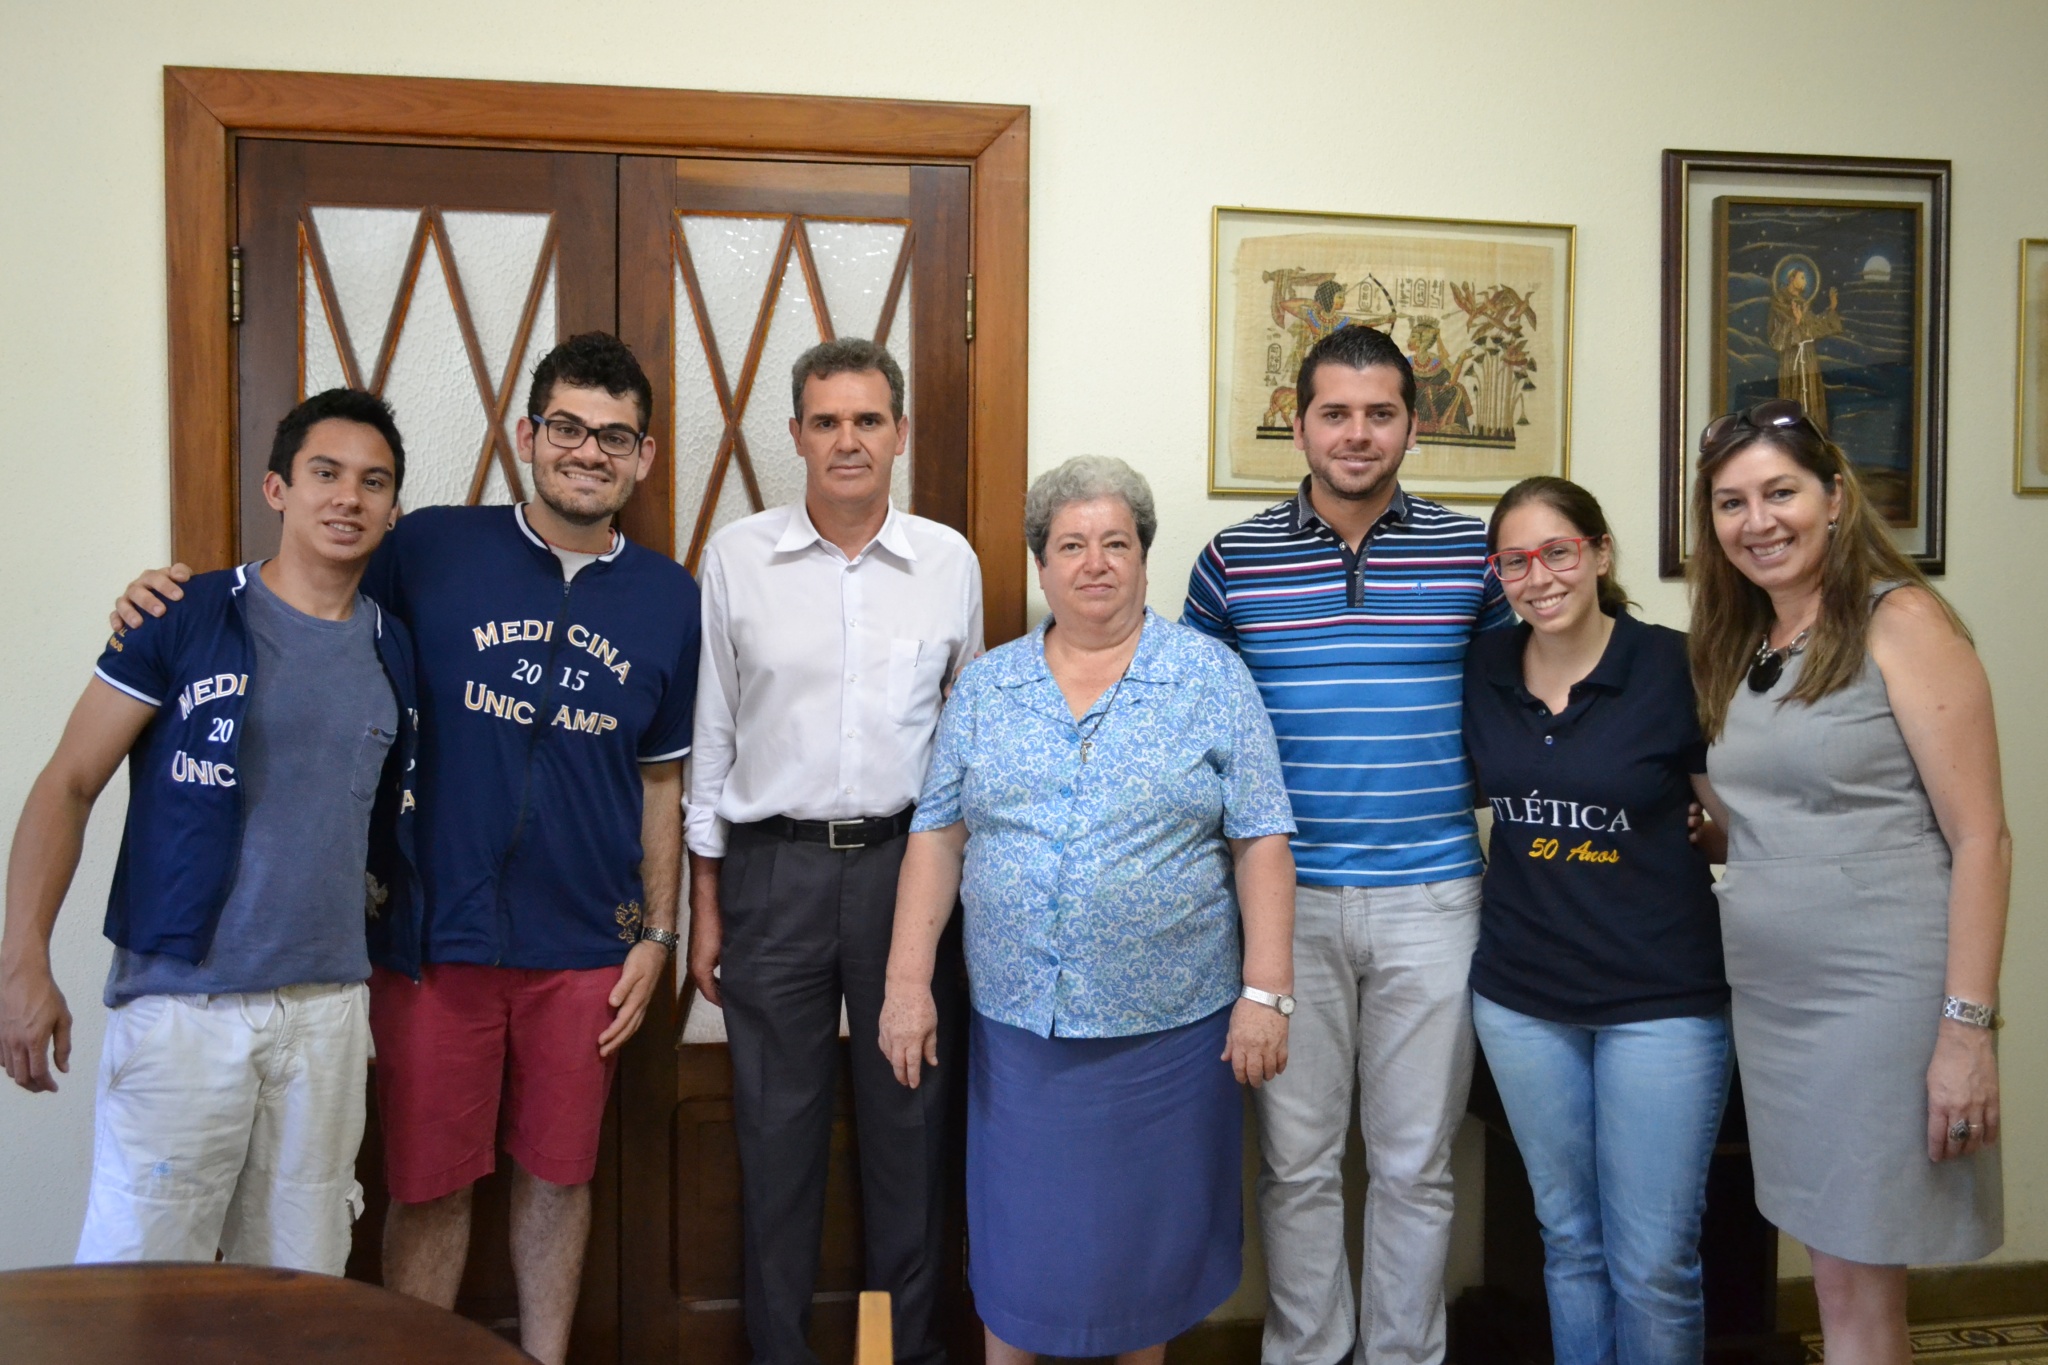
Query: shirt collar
{"type": "Point", "coordinates": [526, 529]}
{"type": "Point", "coordinates": [1504, 669]}
{"type": "Point", "coordinates": [1305, 512]}
{"type": "Point", "coordinates": [801, 534]}
{"type": "Point", "coordinates": [1151, 663]}
{"type": "Point", "coordinates": [1619, 657]}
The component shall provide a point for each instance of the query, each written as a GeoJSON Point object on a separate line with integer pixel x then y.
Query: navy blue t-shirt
{"type": "Point", "coordinates": [1598, 909]}
{"type": "Point", "coordinates": [540, 697]}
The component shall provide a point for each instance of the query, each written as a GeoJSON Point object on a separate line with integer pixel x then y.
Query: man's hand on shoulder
{"type": "Point", "coordinates": [148, 595]}
{"type": "Point", "coordinates": [33, 1018]}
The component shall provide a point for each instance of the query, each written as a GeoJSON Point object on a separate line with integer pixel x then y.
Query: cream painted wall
{"type": "Point", "coordinates": [1144, 114]}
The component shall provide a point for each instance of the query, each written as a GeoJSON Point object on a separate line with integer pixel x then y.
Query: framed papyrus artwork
{"type": "Point", "coordinates": [1482, 309]}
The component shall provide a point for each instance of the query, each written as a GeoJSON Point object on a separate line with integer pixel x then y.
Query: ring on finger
{"type": "Point", "coordinates": [1959, 1131]}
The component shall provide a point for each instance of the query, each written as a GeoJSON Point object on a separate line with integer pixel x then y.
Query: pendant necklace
{"type": "Point", "coordinates": [1088, 739]}
{"type": "Point", "coordinates": [1769, 664]}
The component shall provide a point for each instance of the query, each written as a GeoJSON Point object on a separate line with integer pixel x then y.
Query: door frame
{"type": "Point", "coordinates": [207, 108]}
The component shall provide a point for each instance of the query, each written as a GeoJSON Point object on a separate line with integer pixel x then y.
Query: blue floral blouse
{"type": "Point", "coordinates": [1099, 893]}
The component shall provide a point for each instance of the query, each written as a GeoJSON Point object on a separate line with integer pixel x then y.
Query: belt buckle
{"type": "Point", "coordinates": [832, 834]}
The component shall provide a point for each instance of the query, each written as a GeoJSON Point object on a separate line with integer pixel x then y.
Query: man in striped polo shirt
{"type": "Point", "coordinates": [1352, 603]}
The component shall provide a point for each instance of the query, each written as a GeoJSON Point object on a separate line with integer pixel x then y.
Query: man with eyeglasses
{"type": "Point", "coordinates": [558, 667]}
{"type": "Point", "coordinates": [1352, 604]}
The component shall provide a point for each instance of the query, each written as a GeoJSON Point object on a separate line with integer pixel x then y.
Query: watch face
{"type": "Point", "coordinates": [1286, 1004]}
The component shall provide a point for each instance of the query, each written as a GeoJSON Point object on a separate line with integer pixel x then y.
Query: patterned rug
{"type": "Point", "coordinates": [1987, 1341]}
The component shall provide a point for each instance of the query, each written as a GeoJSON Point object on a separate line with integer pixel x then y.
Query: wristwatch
{"type": "Point", "coordinates": [666, 938]}
{"type": "Point", "coordinates": [1283, 1003]}
{"type": "Point", "coordinates": [1964, 1012]}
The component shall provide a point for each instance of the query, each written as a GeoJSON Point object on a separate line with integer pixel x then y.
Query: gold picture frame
{"type": "Point", "coordinates": [1483, 307]}
{"type": "Point", "coordinates": [2030, 401]}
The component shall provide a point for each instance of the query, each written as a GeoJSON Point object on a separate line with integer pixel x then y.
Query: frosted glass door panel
{"type": "Point", "coordinates": [442, 313]}
{"type": "Point", "coordinates": [496, 254]}
{"type": "Point", "coordinates": [734, 259]}
{"type": "Point", "coordinates": [767, 288]}
{"type": "Point", "coordinates": [367, 251]}
{"type": "Point", "coordinates": [792, 329]}
{"type": "Point", "coordinates": [320, 367]}
{"type": "Point", "coordinates": [698, 412]}
{"type": "Point", "coordinates": [433, 394]}
{"type": "Point", "coordinates": [856, 264]}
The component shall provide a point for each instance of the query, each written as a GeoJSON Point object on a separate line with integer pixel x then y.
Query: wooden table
{"type": "Point", "coordinates": [182, 1313]}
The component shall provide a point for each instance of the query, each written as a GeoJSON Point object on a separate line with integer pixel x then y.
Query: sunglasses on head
{"type": "Point", "coordinates": [1775, 415]}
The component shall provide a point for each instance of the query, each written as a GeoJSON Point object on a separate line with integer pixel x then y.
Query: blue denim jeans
{"type": "Point", "coordinates": [1616, 1126]}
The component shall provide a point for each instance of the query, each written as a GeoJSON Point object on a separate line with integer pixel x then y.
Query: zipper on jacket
{"type": "Point", "coordinates": [540, 729]}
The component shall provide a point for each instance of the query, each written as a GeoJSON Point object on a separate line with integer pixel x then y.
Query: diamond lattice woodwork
{"type": "Point", "coordinates": [410, 302]}
{"type": "Point", "coordinates": [752, 293]}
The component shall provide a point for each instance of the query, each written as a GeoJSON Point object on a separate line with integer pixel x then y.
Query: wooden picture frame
{"type": "Point", "coordinates": [1483, 308]}
{"type": "Point", "coordinates": [2030, 402]}
{"type": "Point", "coordinates": [1823, 279]}
{"type": "Point", "coordinates": [207, 108]}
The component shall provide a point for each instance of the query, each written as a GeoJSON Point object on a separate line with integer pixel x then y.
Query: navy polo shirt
{"type": "Point", "coordinates": [1598, 909]}
{"type": "Point", "coordinates": [540, 698]}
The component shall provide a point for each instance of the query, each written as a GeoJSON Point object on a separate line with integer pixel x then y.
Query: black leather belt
{"type": "Point", "coordinates": [841, 834]}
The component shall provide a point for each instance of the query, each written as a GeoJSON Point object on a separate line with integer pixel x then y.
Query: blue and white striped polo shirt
{"type": "Point", "coordinates": [1360, 659]}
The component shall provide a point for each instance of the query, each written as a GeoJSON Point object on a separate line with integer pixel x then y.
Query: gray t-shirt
{"type": "Point", "coordinates": [320, 721]}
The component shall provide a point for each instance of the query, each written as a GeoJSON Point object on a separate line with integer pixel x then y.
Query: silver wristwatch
{"type": "Point", "coordinates": [665, 938]}
{"type": "Point", "coordinates": [1964, 1012]}
{"type": "Point", "coordinates": [1283, 1003]}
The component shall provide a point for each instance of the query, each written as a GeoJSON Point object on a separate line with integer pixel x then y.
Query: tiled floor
{"type": "Point", "coordinates": [1986, 1341]}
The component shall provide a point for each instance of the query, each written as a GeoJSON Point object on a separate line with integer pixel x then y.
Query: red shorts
{"type": "Point", "coordinates": [451, 1045]}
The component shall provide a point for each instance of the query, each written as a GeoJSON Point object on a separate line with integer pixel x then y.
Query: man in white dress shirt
{"type": "Point", "coordinates": [832, 627]}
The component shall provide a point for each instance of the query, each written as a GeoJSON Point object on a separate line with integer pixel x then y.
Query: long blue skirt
{"type": "Point", "coordinates": [1104, 1185]}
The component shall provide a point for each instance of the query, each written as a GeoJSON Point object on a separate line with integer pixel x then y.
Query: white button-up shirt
{"type": "Point", "coordinates": [822, 676]}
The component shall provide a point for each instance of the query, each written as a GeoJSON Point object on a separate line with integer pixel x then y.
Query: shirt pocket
{"type": "Point", "coordinates": [371, 750]}
{"type": "Point", "coordinates": [916, 668]}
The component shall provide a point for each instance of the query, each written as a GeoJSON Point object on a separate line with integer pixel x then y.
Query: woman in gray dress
{"type": "Point", "coordinates": [1854, 766]}
{"type": "Point", "coordinates": [1856, 770]}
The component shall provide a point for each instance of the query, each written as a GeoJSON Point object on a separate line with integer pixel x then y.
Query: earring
{"type": "Point", "coordinates": [1831, 528]}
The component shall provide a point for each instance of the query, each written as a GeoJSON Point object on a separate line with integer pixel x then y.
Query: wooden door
{"type": "Point", "coordinates": [438, 276]}
{"type": "Point", "coordinates": [435, 276]}
{"type": "Point", "coordinates": [729, 269]}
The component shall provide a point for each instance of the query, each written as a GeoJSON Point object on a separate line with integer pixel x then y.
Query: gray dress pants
{"type": "Point", "coordinates": [804, 925]}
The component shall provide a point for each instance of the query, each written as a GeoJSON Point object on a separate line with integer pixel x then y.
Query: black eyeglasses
{"type": "Point", "coordinates": [1773, 415]}
{"type": "Point", "coordinates": [566, 433]}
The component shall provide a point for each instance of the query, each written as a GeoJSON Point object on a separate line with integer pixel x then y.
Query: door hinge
{"type": "Point", "coordinates": [234, 284]}
{"type": "Point", "coordinates": [970, 307]}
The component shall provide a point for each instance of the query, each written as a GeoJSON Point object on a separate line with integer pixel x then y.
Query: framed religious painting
{"type": "Point", "coordinates": [1819, 279]}
{"type": "Point", "coordinates": [2030, 448]}
{"type": "Point", "coordinates": [1482, 309]}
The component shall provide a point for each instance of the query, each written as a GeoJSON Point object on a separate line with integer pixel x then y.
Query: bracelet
{"type": "Point", "coordinates": [666, 939]}
{"type": "Point", "coordinates": [1964, 1012]}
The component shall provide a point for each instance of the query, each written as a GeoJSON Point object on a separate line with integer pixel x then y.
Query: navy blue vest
{"type": "Point", "coordinates": [182, 843]}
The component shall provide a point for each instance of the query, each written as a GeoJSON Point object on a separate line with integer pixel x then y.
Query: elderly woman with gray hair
{"type": "Point", "coordinates": [1105, 800]}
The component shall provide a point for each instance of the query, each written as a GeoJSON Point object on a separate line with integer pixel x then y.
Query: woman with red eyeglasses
{"type": "Point", "coordinates": [1597, 988]}
{"type": "Point", "coordinates": [1855, 761]}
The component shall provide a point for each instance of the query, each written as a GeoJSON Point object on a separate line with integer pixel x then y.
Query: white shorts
{"type": "Point", "coordinates": [230, 1123]}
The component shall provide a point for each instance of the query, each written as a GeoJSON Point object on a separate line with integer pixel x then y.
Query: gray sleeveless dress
{"type": "Point", "coordinates": [1834, 916]}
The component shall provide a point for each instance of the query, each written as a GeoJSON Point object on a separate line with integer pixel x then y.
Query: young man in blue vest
{"type": "Point", "coordinates": [557, 676]}
{"type": "Point", "coordinates": [1352, 604]}
{"type": "Point", "coordinates": [270, 728]}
